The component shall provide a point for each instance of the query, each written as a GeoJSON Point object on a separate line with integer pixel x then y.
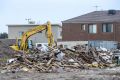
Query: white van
{"type": "Point", "coordinates": [42, 46]}
{"type": "Point", "coordinates": [39, 44]}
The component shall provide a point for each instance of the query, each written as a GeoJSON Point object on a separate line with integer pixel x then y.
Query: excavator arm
{"type": "Point", "coordinates": [26, 35]}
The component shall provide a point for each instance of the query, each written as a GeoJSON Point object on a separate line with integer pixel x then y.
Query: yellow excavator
{"type": "Point", "coordinates": [24, 39]}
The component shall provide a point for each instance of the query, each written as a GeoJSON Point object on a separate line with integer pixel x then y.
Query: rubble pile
{"type": "Point", "coordinates": [59, 59]}
{"type": "Point", "coordinates": [6, 52]}
{"type": "Point", "coordinates": [91, 57]}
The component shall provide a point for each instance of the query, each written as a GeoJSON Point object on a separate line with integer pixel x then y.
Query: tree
{"type": "Point", "coordinates": [3, 35]}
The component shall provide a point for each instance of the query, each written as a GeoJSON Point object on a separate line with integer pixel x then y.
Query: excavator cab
{"type": "Point", "coordinates": [18, 43]}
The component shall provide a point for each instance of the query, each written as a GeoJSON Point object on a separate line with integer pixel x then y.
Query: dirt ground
{"type": "Point", "coordinates": [94, 74]}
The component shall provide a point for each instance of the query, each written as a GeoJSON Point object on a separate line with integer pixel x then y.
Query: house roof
{"type": "Point", "coordinates": [28, 25]}
{"type": "Point", "coordinates": [96, 16]}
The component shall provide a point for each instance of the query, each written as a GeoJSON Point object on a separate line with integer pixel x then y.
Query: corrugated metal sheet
{"type": "Point", "coordinates": [105, 44]}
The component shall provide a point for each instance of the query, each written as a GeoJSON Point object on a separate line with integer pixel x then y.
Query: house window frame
{"type": "Point", "coordinates": [93, 27]}
{"type": "Point", "coordinates": [106, 28]}
{"type": "Point", "coordinates": [83, 27]}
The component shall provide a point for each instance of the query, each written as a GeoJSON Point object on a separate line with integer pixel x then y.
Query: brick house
{"type": "Point", "coordinates": [99, 28]}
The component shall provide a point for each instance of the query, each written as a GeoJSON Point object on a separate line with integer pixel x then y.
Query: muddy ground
{"type": "Point", "coordinates": [93, 74]}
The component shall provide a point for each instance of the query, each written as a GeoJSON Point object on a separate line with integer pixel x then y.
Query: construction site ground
{"type": "Point", "coordinates": [79, 72]}
{"type": "Point", "coordinates": [92, 74]}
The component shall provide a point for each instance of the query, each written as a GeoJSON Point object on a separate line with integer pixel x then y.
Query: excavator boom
{"type": "Point", "coordinates": [26, 35]}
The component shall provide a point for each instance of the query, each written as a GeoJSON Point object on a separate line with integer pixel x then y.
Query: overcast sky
{"type": "Point", "coordinates": [16, 11]}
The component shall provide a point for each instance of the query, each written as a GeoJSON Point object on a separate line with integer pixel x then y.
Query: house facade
{"type": "Point", "coordinates": [98, 28]}
{"type": "Point", "coordinates": [16, 31]}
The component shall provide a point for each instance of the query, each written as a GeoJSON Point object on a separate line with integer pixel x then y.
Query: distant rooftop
{"type": "Point", "coordinates": [96, 16]}
{"type": "Point", "coordinates": [31, 24]}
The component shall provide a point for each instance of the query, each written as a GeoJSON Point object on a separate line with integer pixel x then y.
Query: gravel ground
{"type": "Point", "coordinates": [94, 74]}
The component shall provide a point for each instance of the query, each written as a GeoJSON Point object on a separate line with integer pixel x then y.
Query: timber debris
{"type": "Point", "coordinates": [59, 59]}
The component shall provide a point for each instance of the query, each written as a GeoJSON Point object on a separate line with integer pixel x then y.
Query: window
{"type": "Point", "coordinates": [83, 27]}
{"type": "Point", "coordinates": [65, 46]}
{"type": "Point", "coordinates": [92, 28]}
{"type": "Point", "coordinates": [60, 33]}
{"type": "Point", "coordinates": [21, 33]}
{"type": "Point", "coordinates": [107, 27]}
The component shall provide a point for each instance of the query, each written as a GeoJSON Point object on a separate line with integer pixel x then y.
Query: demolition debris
{"type": "Point", "coordinates": [59, 59]}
